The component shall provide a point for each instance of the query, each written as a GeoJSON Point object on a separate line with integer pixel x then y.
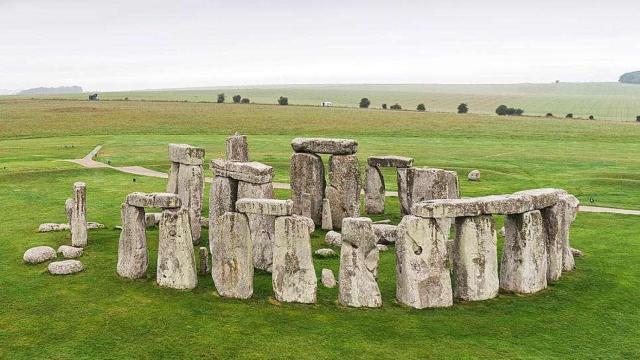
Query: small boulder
{"type": "Point", "coordinates": [474, 175]}
{"type": "Point", "coordinates": [94, 225]}
{"type": "Point", "coordinates": [333, 238]}
{"type": "Point", "coordinates": [502, 231]}
{"type": "Point", "coordinates": [325, 252]}
{"type": "Point", "coordinates": [328, 280]}
{"type": "Point", "coordinates": [47, 227]}
{"type": "Point", "coordinates": [39, 254]}
{"type": "Point", "coordinates": [70, 252]}
{"type": "Point", "coordinates": [576, 252]}
{"type": "Point", "coordinates": [382, 247]}
{"type": "Point", "coordinates": [65, 267]}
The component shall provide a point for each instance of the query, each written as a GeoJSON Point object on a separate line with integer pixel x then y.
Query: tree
{"type": "Point", "coordinates": [502, 110]}
{"type": "Point", "coordinates": [237, 98]}
{"type": "Point", "coordinates": [384, 106]}
{"type": "Point", "coordinates": [245, 101]}
{"type": "Point", "coordinates": [421, 107]}
{"type": "Point", "coordinates": [569, 116]}
{"type": "Point", "coordinates": [549, 115]}
{"type": "Point", "coordinates": [283, 100]}
{"type": "Point", "coordinates": [396, 106]}
{"type": "Point", "coordinates": [638, 118]}
{"type": "Point", "coordinates": [364, 103]}
{"type": "Point", "coordinates": [591, 117]}
{"type": "Point", "coordinates": [463, 108]}
{"type": "Point", "coordinates": [220, 98]}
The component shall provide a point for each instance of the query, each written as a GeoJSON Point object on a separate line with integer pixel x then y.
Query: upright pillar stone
{"type": "Point", "coordinates": [374, 191]}
{"type": "Point", "coordinates": [403, 193]}
{"type": "Point", "coordinates": [475, 258]}
{"type": "Point", "coordinates": [172, 181]}
{"type": "Point", "coordinates": [204, 261]}
{"type": "Point", "coordinates": [327, 222]}
{"type": "Point", "coordinates": [262, 227]}
{"type": "Point", "coordinates": [523, 268]}
{"type": "Point", "coordinates": [176, 259]}
{"type": "Point", "coordinates": [79, 215]}
{"type": "Point", "coordinates": [572, 204]}
{"type": "Point", "coordinates": [237, 148]}
{"type": "Point", "coordinates": [344, 189]}
{"type": "Point", "coordinates": [190, 191]}
{"type": "Point", "coordinates": [231, 256]}
{"type": "Point", "coordinates": [358, 265]}
{"type": "Point", "coordinates": [133, 257]}
{"type": "Point", "coordinates": [422, 275]}
{"type": "Point", "coordinates": [307, 176]}
{"type": "Point", "coordinates": [222, 198]}
{"type": "Point", "coordinates": [420, 184]}
{"type": "Point", "coordinates": [294, 277]}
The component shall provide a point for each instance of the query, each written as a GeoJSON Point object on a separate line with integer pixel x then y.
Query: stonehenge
{"type": "Point", "coordinates": [76, 209]}
{"type": "Point", "coordinates": [374, 188]}
{"type": "Point", "coordinates": [231, 256]}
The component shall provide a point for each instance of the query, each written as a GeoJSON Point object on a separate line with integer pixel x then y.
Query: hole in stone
{"type": "Point", "coordinates": [417, 249]}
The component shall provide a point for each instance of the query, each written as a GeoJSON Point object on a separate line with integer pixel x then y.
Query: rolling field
{"type": "Point", "coordinates": [590, 313]}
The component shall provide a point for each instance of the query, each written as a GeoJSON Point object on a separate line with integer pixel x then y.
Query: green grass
{"type": "Point", "coordinates": [590, 313]}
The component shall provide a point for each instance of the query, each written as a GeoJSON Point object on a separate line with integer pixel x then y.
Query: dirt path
{"type": "Point", "coordinates": [88, 162]}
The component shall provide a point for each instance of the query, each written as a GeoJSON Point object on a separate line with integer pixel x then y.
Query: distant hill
{"type": "Point", "coordinates": [52, 90]}
{"type": "Point", "coordinates": [630, 78]}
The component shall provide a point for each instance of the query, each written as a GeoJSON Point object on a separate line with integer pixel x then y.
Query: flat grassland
{"type": "Point", "coordinates": [590, 313]}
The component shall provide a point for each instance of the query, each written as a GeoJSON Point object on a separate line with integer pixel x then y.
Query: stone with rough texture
{"type": "Point", "coordinates": [324, 146]}
{"type": "Point", "coordinates": [204, 222]}
{"type": "Point", "coordinates": [427, 184]}
{"type": "Point", "coordinates": [294, 277]}
{"type": "Point", "coordinates": [386, 234]}
{"type": "Point", "coordinates": [172, 180]}
{"type": "Point", "coordinates": [422, 276]}
{"type": "Point", "coordinates": [385, 221]}
{"type": "Point", "coordinates": [325, 252]}
{"type": "Point", "coordinates": [252, 172]}
{"type": "Point", "coordinates": [390, 161]}
{"type": "Point", "coordinates": [542, 198]}
{"type": "Point", "coordinates": [403, 196]}
{"type": "Point", "coordinates": [78, 220]}
{"type": "Point", "coordinates": [475, 258]}
{"type": "Point", "coordinates": [262, 227]}
{"type": "Point", "coordinates": [572, 204]}
{"type": "Point", "coordinates": [576, 252]}
{"type": "Point", "coordinates": [374, 191]}
{"type": "Point", "coordinates": [70, 252]}
{"type": "Point", "coordinates": [222, 198]}
{"type": "Point", "coordinates": [191, 192]}
{"type": "Point", "coordinates": [39, 254]}
{"type": "Point", "coordinates": [327, 222]}
{"type": "Point", "coordinates": [203, 264]}
{"type": "Point", "coordinates": [328, 279]}
{"type": "Point", "coordinates": [231, 256]}
{"type": "Point", "coordinates": [48, 227]}
{"type": "Point", "coordinates": [523, 268]}
{"type": "Point", "coordinates": [154, 200]}
{"type": "Point", "coordinates": [382, 247]}
{"type": "Point", "coordinates": [474, 175]}
{"type": "Point", "coordinates": [237, 148]}
{"type": "Point", "coordinates": [186, 154]}
{"type": "Point", "coordinates": [152, 219]}
{"type": "Point", "coordinates": [68, 209]}
{"type": "Point", "coordinates": [176, 267]}
{"type": "Point", "coordinates": [358, 265]}
{"type": "Point", "coordinates": [556, 226]}
{"type": "Point", "coordinates": [65, 267]}
{"type": "Point", "coordinates": [344, 189]}
{"type": "Point", "coordinates": [333, 238]}
{"type": "Point", "coordinates": [271, 207]}
{"type": "Point", "coordinates": [306, 173]}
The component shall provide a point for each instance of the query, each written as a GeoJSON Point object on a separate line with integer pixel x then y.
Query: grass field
{"type": "Point", "coordinates": [590, 313]}
{"type": "Point", "coordinates": [608, 101]}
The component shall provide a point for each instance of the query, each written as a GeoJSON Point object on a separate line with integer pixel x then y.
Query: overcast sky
{"type": "Point", "coordinates": [138, 44]}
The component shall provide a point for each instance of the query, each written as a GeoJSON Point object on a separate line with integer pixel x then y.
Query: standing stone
{"type": "Point", "coordinates": [307, 176]}
{"type": "Point", "coordinates": [556, 228]}
{"type": "Point", "coordinates": [237, 148]}
{"type": "Point", "coordinates": [172, 181]}
{"type": "Point", "coordinates": [403, 194]}
{"type": "Point", "coordinates": [427, 184]}
{"type": "Point", "coordinates": [176, 261]}
{"type": "Point", "coordinates": [68, 209]}
{"type": "Point", "coordinates": [523, 268]}
{"type": "Point", "coordinates": [231, 256]}
{"type": "Point", "coordinates": [133, 257]}
{"type": "Point", "coordinates": [422, 276]}
{"type": "Point", "coordinates": [79, 215]}
{"type": "Point", "coordinates": [328, 279]}
{"type": "Point", "coordinates": [344, 189]}
{"type": "Point", "coordinates": [333, 238]}
{"type": "Point", "coordinates": [222, 198]}
{"type": "Point", "coordinates": [572, 204]}
{"type": "Point", "coordinates": [294, 277]}
{"type": "Point", "coordinates": [474, 175]}
{"type": "Point", "coordinates": [374, 191]}
{"type": "Point", "coordinates": [327, 222]}
{"type": "Point", "coordinates": [204, 261]}
{"type": "Point", "coordinates": [262, 227]}
{"type": "Point", "coordinates": [475, 258]}
{"type": "Point", "coordinates": [190, 191]}
{"type": "Point", "coordinates": [358, 265]}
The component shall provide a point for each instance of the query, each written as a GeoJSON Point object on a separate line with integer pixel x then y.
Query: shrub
{"type": "Point", "coordinates": [591, 117]}
{"type": "Point", "coordinates": [463, 108]}
{"type": "Point", "coordinates": [220, 98]}
{"type": "Point", "coordinates": [126, 99]}
{"type": "Point", "coordinates": [569, 116]}
{"type": "Point", "coordinates": [364, 103]}
{"type": "Point", "coordinates": [396, 106]}
{"type": "Point", "coordinates": [638, 118]}
{"type": "Point", "coordinates": [421, 107]}
{"type": "Point", "coordinates": [502, 110]}
{"type": "Point", "coordinates": [549, 115]}
{"type": "Point", "coordinates": [237, 99]}
{"type": "Point", "coordinates": [283, 100]}
{"type": "Point", "coordinates": [245, 101]}
{"type": "Point", "coordinates": [384, 106]}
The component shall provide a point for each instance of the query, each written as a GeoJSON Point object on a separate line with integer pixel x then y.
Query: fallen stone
{"type": "Point", "coordinates": [39, 254]}
{"type": "Point", "coordinates": [70, 252]}
{"type": "Point", "coordinates": [306, 173]}
{"type": "Point", "coordinates": [231, 256]}
{"type": "Point", "coordinates": [474, 175]}
{"type": "Point", "coordinates": [265, 206]}
{"type": "Point", "coordinates": [251, 172]}
{"type": "Point", "coordinates": [191, 191]}
{"type": "Point", "coordinates": [186, 154]}
{"type": "Point", "coordinates": [47, 227]}
{"type": "Point", "coordinates": [382, 247]}
{"type": "Point", "coordinates": [333, 238]}
{"type": "Point", "coordinates": [262, 227]}
{"type": "Point", "coordinates": [94, 225]}
{"type": "Point", "coordinates": [222, 198]}
{"type": "Point", "coordinates": [344, 189]}
{"type": "Point", "coordinates": [237, 148]}
{"type": "Point", "coordinates": [65, 267]}
{"type": "Point", "coordinates": [385, 234]}
{"type": "Point", "coordinates": [390, 161]}
{"type": "Point", "coordinates": [576, 252]}
{"type": "Point", "coordinates": [325, 252]}
{"type": "Point", "coordinates": [374, 191]}
{"type": "Point", "coordinates": [324, 146]}
{"type": "Point", "coordinates": [428, 184]}
{"type": "Point", "coordinates": [176, 267]}
{"type": "Point", "coordinates": [327, 222]}
{"type": "Point", "coordinates": [203, 253]}
{"type": "Point", "coordinates": [78, 222]}
{"type": "Point", "coordinates": [328, 279]}
{"type": "Point", "coordinates": [154, 200]}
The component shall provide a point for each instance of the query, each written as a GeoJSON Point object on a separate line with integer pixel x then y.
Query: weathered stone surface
{"type": "Point", "coordinates": [485, 205]}
{"type": "Point", "coordinates": [327, 222]}
{"type": "Point", "coordinates": [252, 172]}
{"type": "Point", "coordinates": [523, 268]}
{"type": "Point", "coordinates": [237, 148]}
{"type": "Point", "coordinates": [262, 227]}
{"type": "Point", "coordinates": [48, 227]}
{"type": "Point", "coordinates": [191, 191]}
{"type": "Point", "coordinates": [306, 173]}
{"type": "Point", "coordinates": [222, 198]}
{"type": "Point", "coordinates": [70, 252]}
{"type": "Point", "coordinates": [231, 256]}
{"type": "Point", "coordinates": [325, 252]}
{"type": "Point", "coordinates": [576, 252]}
{"type": "Point", "coordinates": [176, 260]}
{"type": "Point", "coordinates": [474, 175]}
{"type": "Point", "coordinates": [403, 194]}
{"type": "Point", "coordinates": [382, 248]}
{"type": "Point", "coordinates": [385, 221]}
{"type": "Point", "coordinates": [556, 226]}
{"type": "Point", "coordinates": [65, 267]}
{"type": "Point", "coordinates": [422, 276]}
{"type": "Point", "coordinates": [358, 265]}
{"type": "Point", "coordinates": [78, 221]}
{"type": "Point", "coordinates": [39, 254]}
{"type": "Point", "coordinates": [374, 191]}
{"type": "Point", "coordinates": [204, 222]}
{"type": "Point", "coordinates": [306, 205]}
{"type": "Point", "coordinates": [390, 161]}
{"type": "Point", "coordinates": [344, 189]}
{"type": "Point", "coordinates": [385, 233]}
{"type": "Point", "coordinates": [294, 277]}
{"type": "Point", "coordinates": [155, 200]}
{"type": "Point", "coordinates": [572, 204]}
{"type": "Point", "coordinates": [172, 180]}
{"type": "Point", "coordinates": [328, 279]}
{"type": "Point", "coordinates": [324, 146]}
{"type": "Point", "coordinates": [186, 154]}
{"type": "Point", "coordinates": [427, 184]}
{"type": "Point", "coordinates": [203, 265]}
{"type": "Point", "coordinates": [152, 219]}
{"type": "Point", "coordinates": [68, 209]}
{"type": "Point", "coordinates": [265, 206]}
{"type": "Point", "coordinates": [333, 238]}
{"type": "Point", "coordinates": [475, 258]}
{"type": "Point", "coordinates": [542, 198]}
{"type": "Point", "coordinates": [502, 232]}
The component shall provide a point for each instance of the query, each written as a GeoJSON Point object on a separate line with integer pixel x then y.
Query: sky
{"type": "Point", "coordinates": [111, 45]}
